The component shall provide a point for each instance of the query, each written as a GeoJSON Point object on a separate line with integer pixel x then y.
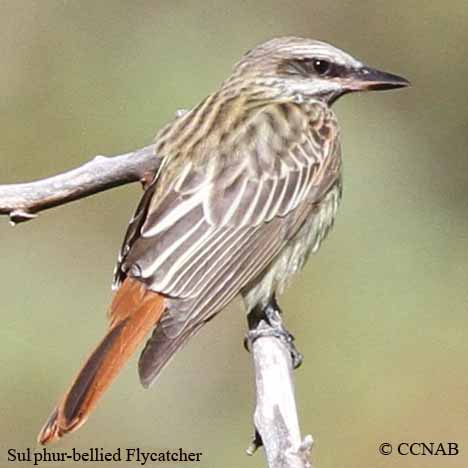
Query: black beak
{"type": "Point", "coordinates": [370, 79]}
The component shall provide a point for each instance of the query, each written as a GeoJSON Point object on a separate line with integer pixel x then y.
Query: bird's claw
{"type": "Point", "coordinates": [280, 333]}
{"type": "Point", "coordinates": [271, 315]}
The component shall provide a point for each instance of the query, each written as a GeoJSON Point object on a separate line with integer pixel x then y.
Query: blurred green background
{"type": "Point", "coordinates": [380, 313]}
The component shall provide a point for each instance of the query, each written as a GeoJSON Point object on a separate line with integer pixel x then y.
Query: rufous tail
{"type": "Point", "coordinates": [133, 313]}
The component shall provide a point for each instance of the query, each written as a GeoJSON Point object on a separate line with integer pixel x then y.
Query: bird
{"type": "Point", "coordinates": [248, 187]}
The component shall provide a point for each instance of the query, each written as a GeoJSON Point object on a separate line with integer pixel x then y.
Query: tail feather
{"type": "Point", "coordinates": [159, 350]}
{"type": "Point", "coordinates": [134, 312]}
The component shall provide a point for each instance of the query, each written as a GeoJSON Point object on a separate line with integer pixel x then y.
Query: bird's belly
{"type": "Point", "coordinates": [277, 276]}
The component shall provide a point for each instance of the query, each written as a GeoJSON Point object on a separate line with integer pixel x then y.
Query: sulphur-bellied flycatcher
{"type": "Point", "coordinates": [248, 187]}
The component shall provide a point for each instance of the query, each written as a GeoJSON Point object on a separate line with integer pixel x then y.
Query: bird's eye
{"type": "Point", "coordinates": [322, 67]}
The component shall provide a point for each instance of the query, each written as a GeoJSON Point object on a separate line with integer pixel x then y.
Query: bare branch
{"type": "Point", "coordinates": [22, 202]}
{"type": "Point", "coordinates": [276, 421]}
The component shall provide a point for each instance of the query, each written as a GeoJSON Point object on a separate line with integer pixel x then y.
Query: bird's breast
{"type": "Point", "coordinates": [294, 255]}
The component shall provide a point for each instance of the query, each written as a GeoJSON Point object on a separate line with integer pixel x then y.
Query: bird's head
{"type": "Point", "coordinates": [303, 69]}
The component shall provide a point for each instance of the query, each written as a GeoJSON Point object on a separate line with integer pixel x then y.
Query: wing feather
{"type": "Point", "coordinates": [212, 227]}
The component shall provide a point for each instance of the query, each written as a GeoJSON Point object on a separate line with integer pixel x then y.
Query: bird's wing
{"type": "Point", "coordinates": [209, 227]}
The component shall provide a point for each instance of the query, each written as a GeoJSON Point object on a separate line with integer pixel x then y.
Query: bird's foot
{"type": "Point", "coordinates": [271, 316]}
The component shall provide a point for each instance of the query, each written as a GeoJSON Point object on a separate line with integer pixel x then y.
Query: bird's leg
{"type": "Point", "coordinates": [270, 315]}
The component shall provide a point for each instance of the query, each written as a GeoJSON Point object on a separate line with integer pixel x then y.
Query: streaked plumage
{"type": "Point", "coordinates": [249, 186]}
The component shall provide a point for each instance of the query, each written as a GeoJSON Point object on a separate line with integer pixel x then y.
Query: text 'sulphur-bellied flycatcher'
{"type": "Point", "coordinates": [248, 187]}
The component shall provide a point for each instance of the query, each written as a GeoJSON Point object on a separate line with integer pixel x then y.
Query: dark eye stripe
{"type": "Point", "coordinates": [302, 66]}
{"type": "Point", "coordinates": [306, 67]}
